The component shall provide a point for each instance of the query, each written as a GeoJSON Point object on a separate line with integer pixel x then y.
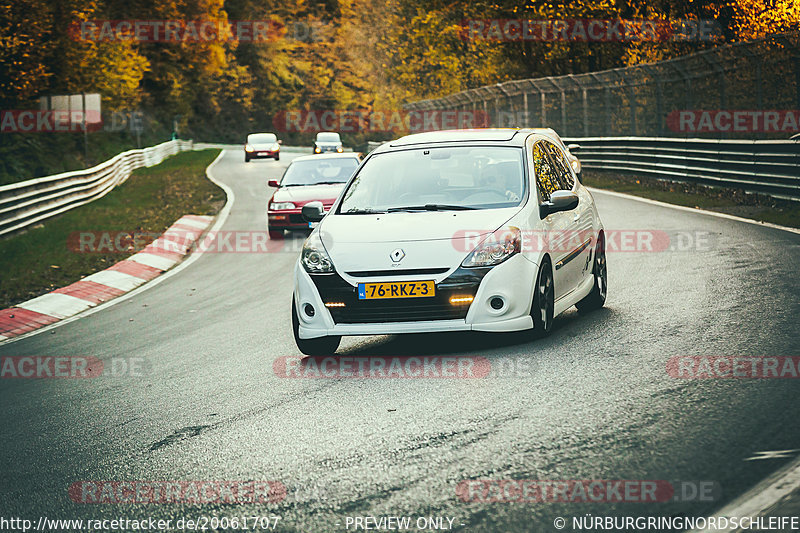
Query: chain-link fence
{"type": "Point", "coordinates": [745, 90]}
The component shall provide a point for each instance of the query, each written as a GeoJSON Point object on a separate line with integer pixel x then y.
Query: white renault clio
{"type": "Point", "coordinates": [484, 230]}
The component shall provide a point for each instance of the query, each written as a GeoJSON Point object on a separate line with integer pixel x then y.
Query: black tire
{"type": "Point", "coordinates": [278, 157]}
{"type": "Point", "coordinates": [319, 346]}
{"type": "Point", "coordinates": [246, 159]}
{"type": "Point", "coordinates": [543, 303]}
{"type": "Point", "coordinates": [275, 234]}
{"type": "Point", "coordinates": [597, 298]}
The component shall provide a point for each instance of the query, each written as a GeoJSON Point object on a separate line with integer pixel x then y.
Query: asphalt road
{"type": "Point", "coordinates": [594, 401]}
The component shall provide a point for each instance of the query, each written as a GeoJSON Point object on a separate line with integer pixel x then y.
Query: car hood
{"type": "Point", "coordinates": [307, 193]}
{"type": "Point", "coordinates": [430, 239]}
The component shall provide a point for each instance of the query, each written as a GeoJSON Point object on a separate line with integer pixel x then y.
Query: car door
{"type": "Point", "coordinates": [555, 226]}
{"type": "Point", "coordinates": [575, 262]}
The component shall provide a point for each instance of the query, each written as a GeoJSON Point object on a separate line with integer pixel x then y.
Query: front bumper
{"type": "Point", "coordinates": [262, 154]}
{"type": "Point", "coordinates": [290, 219]}
{"type": "Point", "coordinates": [512, 281]}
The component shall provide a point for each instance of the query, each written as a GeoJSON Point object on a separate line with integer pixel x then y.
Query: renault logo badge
{"type": "Point", "coordinates": [397, 255]}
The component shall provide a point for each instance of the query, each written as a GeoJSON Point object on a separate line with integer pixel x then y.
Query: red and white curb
{"type": "Point", "coordinates": [158, 257]}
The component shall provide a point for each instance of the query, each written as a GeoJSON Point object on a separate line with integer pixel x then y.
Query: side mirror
{"type": "Point", "coordinates": [273, 183]}
{"type": "Point", "coordinates": [559, 201]}
{"type": "Point", "coordinates": [313, 211]}
{"type": "Point", "coordinates": [280, 141]}
{"type": "Point", "coordinates": [573, 147]}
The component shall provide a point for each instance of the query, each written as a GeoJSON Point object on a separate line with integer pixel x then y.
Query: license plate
{"type": "Point", "coordinates": [396, 289]}
{"type": "Point", "coordinates": [313, 225]}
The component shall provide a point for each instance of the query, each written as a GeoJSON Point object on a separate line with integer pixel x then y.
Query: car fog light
{"type": "Point", "coordinates": [309, 310]}
{"type": "Point", "coordinates": [497, 303]}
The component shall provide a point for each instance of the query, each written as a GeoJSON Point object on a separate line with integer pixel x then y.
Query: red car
{"type": "Point", "coordinates": [307, 179]}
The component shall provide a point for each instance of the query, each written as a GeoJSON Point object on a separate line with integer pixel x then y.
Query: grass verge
{"type": "Point", "coordinates": [152, 199]}
{"type": "Point", "coordinates": [758, 207]}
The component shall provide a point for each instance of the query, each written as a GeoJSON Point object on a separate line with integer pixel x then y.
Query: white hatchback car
{"type": "Point", "coordinates": [484, 230]}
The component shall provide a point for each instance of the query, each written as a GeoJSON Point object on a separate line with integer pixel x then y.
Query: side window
{"type": "Point", "coordinates": [565, 180]}
{"type": "Point", "coordinates": [546, 178]}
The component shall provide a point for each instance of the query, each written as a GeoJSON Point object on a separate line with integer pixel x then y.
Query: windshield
{"type": "Point", "coordinates": [438, 178]}
{"type": "Point", "coordinates": [262, 138]}
{"type": "Point", "coordinates": [328, 137]}
{"type": "Point", "coordinates": [330, 170]}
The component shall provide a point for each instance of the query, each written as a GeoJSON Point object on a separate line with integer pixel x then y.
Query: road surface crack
{"type": "Point", "coordinates": [179, 435]}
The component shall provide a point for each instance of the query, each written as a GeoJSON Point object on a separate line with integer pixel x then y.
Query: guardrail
{"type": "Point", "coordinates": [767, 167]}
{"type": "Point", "coordinates": [29, 202]}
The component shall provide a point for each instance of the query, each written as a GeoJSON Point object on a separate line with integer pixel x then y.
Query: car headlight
{"type": "Point", "coordinates": [316, 150]}
{"type": "Point", "coordinates": [315, 258]}
{"type": "Point", "coordinates": [495, 248]}
{"type": "Point", "coordinates": [340, 148]}
{"type": "Point", "coordinates": [276, 147]}
{"type": "Point", "coordinates": [279, 206]}
{"type": "Point", "coordinates": [248, 148]}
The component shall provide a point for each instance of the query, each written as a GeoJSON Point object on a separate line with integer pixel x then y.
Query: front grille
{"type": "Point", "coordinates": [397, 272]}
{"type": "Point", "coordinates": [332, 288]}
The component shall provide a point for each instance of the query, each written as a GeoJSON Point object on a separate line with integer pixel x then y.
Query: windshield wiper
{"type": "Point", "coordinates": [363, 212]}
{"type": "Point", "coordinates": [430, 207]}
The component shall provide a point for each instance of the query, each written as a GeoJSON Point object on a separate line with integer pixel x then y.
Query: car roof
{"type": "Point", "coordinates": [319, 157]}
{"type": "Point", "coordinates": [507, 136]}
